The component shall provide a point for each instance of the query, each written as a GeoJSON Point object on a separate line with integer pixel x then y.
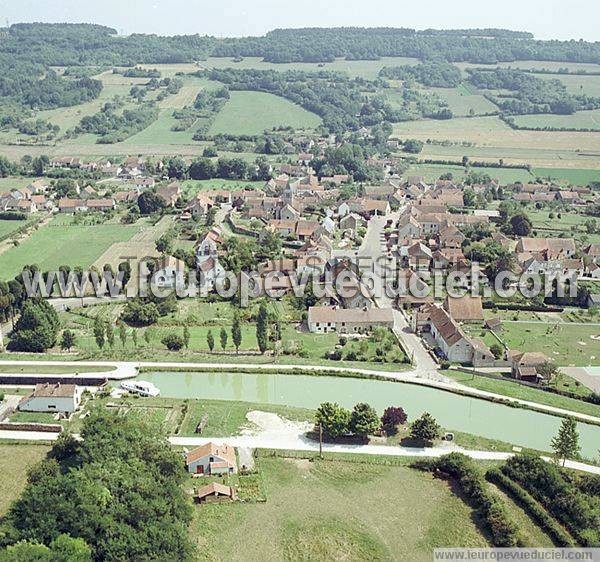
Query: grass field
{"type": "Point", "coordinates": [364, 68]}
{"type": "Point", "coordinates": [577, 84]}
{"type": "Point", "coordinates": [159, 133]}
{"type": "Point", "coordinates": [251, 113]}
{"type": "Point", "coordinates": [52, 369]}
{"type": "Point", "coordinates": [51, 246]}
{"type": "Point", "coordinates": [579, 120]}
{"type": "Point", "coordinates": [531, 533]}
{"type": "Point", "coordinates": [462, 101]}
{"type": "Point", "coordinates": [574, 176]}
{"type": "Point", "coordinates": [336, 510]}
{"type": "Point", "coordinates": [565, 344]}
{"type": "Point", "coordinates": [15, 461]}
{"type": "Point", "coordinates": [191, 187]}
{"type": "Point", "coordinates": [432, 172]}
{"type": "Point", "coordinates": [7, 227]}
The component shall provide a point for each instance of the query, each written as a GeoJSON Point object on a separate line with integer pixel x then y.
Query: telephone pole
{"type": "Point", "coordinates": [321, 440]}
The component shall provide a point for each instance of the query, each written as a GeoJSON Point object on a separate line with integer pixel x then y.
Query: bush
{"type": "Point", "coordinates": [555, 490]}
{"type": "Point", "coordinates": [392, 418]}
{"type": "Point", "coordinates": [173, 342]}
{"type": "Point", "coordinates": [140, 313]}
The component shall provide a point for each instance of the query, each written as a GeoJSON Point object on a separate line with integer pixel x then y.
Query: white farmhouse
{"type": "Point", "coordinates": [47, 397]}
{"type": "Point", "coordinates": [211, 459]}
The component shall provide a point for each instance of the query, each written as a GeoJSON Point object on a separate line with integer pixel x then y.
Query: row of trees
{"type": "Point", "coordinates": [336, 421]}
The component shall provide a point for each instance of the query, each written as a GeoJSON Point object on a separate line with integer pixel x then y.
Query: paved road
{"type": "Point", "coordinates": [373, 247]}
{"type": "Point", "coordinates": [118, 370]}
{"type": "Point", "coordinates": [256, 442]}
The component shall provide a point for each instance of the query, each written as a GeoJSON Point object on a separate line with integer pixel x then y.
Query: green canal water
{"type": "Point", "coordinates": [514, 425]}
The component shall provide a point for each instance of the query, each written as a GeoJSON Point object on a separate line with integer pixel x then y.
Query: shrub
{"type": "Point", "coordinates": [555, 490]}
{"type": "Point", "coordinates": [392, 418]}
{"type": "Point", "coordinates": [173, 342]}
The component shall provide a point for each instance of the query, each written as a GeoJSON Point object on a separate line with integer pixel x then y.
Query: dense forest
{"type": "Point", "coordinates": [477, 46]}
{"type": "Point", "coordinates": [83, 44]}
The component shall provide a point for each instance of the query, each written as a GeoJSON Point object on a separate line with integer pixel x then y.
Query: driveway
{"type": "Point", "coordinates": [581, 374]}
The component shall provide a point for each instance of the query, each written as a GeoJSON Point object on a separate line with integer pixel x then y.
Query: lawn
{"type": "Point", "coordinates": [515, 390]}
{"type": "Point", "coordinates": [336, 510]}
{"type": "Point", "coordinates": [251, 113]}
{"type": "Point", "coordinates": [296, 347]}
{"type": "Point", "coordinates": [579, 120]}
{"type": "Point", "coordinates": [52, 246]}
{"type": "Point", "coordinates": [565, 344]}
{"type": "Point", "coordinates": [15, 461]}
{"type": "Point", "coordinates": [227, 418]}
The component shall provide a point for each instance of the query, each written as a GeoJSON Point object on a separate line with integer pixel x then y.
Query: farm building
{"type": "Point", "coordinates": [211, 459]}
{"type": "Point", "coordinates": [348, 320]}
{"type": "Point", "coordinates": [215, 492]}
{"type": "Point", "coordinates": [62, 398]}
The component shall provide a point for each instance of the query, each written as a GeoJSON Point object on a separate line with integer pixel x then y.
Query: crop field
{"type": "Point", "coordinates": [251, 113]}
{"type": "Point", "coordinates": [393, 509]}
{"type": "Point", "coordinates": [140, 245]}
{"type": "Point", "coordinates": [363, 68]}
{"type": "Point", "coordinates": [462, 101]}
{"type": "Point", "coordinates": [488, 138]}
{"type": "Point", "coordinates": [52, 246]}
{"type": "Point", "coordinates": [580, 120]}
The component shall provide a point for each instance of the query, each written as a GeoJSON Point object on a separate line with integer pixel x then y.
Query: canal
{"type": "Point", "coordinates": [460, 413]}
